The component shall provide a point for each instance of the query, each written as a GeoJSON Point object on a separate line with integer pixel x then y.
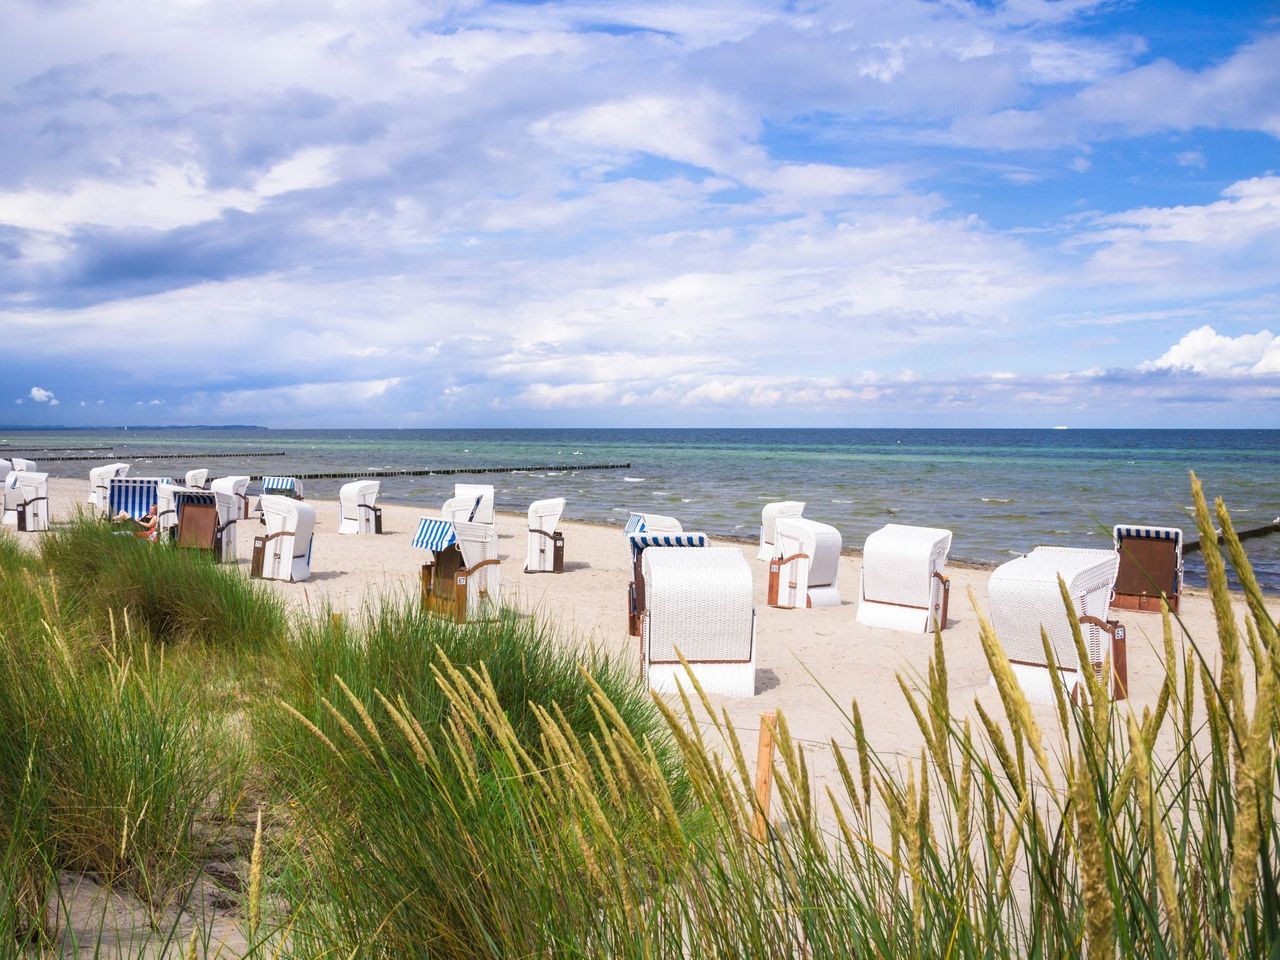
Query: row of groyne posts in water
{"type": "Point", "coordinates": [1191, 546]}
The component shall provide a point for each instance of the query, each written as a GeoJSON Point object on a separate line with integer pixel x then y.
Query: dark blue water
{"type": "Point", "coordinates": [1001, 491]}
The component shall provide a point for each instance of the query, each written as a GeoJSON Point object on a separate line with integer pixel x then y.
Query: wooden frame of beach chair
{"type": "Point", "coordinates": [1025, 598]}
{"type": "Point", "coordinates": [450, 586]}
{"type": "Point", "coordinates": [699, 606]}
{"type": "Point", "coordinates": [545, 548]}
{"type": "Point", "coordinates": [1150, 567]}
{"type": "Point", "coordinates": [902, 586]}
{"type": "Point", "coordinates": [808, 553]}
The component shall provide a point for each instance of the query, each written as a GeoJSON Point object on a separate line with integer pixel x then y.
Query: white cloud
{"type": "Point", "coordinates": [41, 395]}
{"type": "Point", "coordinates": [1207, 352]}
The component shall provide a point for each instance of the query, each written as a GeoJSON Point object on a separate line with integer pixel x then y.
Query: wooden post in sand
{"type": "Point", "coordinates": [764, 775]}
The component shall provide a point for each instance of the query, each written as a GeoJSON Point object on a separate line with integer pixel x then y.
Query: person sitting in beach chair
{"type": "Point", "coordinates": [149, 522]}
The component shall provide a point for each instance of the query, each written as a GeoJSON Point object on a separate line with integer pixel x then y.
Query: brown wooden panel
{"type": "Point", "coordinates": [1147, 566]}
{"type": "Point", "coordinates": [198, 526]}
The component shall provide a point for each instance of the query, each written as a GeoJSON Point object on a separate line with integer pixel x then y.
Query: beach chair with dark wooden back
{"type": "Point", "coordinates": [26, 501]}
{"type": "Point", "coordinates": [284, 553]}
{"type": "Point", "coordinates": [545, 553]}
{"type": "Point", "coordinates": [807, 559]}
{"type": "Point", "coordinates": [1025, 597]}
{"type": "Point", "coordinates": [206, 521]}
{"type": "Point", "coordinates": [357, 512]}
{"type": "Point", "coordinates": [770, 514]}
{"type": "Point", "coordinates": [100, 482]}
{"type": "Point", "coordinates": [699, 605]}
{"type": "Point", "coordinates": [1150, 567]}
{"type": "Point", "coordinates": [461, 578]}
{"type": "Point", "coordinates": [902, 586]}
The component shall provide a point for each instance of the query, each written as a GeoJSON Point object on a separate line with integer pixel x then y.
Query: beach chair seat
{"type": "Point", "coordinates": [100, 481]}
{"type": "Point", "coordinates": [26, 501]}
{"type": "Point", "coordinates": [637, 544]}
{"type": "Point", "coordinates": [356, 510]}
{"type": "Point", "coordinates": [902, 585]}
{"type": "Point", "coordinates": [206, 521]}
{"type": "Point", "coordinates": [284, 553]}
{"type": "Point", "coordinates": [769, 517]}
{"type": "Point", "coordinates": [545, 552]}
{"type": "Point", "coordinates": [238, 489]}
{"type": "Point", "coordinates": [1025, 597]}
{"type": "Point", "coordinates": [806, 562]}
{"type": "Point", "coordinates": [1150, 567]}
{"type": "Point", "coordinates": [196, 479]}
{"type": "Point", "coordinates": [469, 492]}
{"type": "Point", "coordinates": [699, 603]}
{"type": "Point", "coordinates": [462, 577]}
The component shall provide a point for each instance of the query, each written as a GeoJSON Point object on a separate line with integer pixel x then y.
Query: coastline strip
{"type": "Point", "coordinates": [450, 471]}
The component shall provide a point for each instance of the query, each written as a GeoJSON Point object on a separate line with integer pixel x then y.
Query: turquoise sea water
{"type": "Point", "coordinates": [1002, 492]}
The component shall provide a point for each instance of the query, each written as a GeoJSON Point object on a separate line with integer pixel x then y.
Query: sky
{"type": "Point", "coordinates": [345, 213]}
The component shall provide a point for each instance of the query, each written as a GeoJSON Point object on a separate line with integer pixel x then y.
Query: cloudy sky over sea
{"type": "Point", "coordinates": [460, 214]}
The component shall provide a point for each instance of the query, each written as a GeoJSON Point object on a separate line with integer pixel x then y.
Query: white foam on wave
{"type": "Point", "coordinates": [634, 479]}
{"type": "Point", "coordinates": [686, 499]}
{"type": "Point", "coordinates": [996, 500]}
{"type": "Point", "coordinates": [844, 501]}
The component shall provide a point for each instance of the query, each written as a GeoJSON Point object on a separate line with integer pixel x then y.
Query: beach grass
{"type": "Point", "coordinates": [441, 790]}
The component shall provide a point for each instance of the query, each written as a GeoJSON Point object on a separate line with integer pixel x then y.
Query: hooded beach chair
{"type": "Point", "coordinates": [769, 516]}
{"type": "Point", "coordinates": [238, 489]}
{"type": "Point", "coordinates": [470, 491]}
{"type": "Point", "coordinates": [134, 495]}
{"type": "Point", "coordinates": [902, 585]}
{"type": "Point", "coordinates": [546, 547]}
{"type": "Point", "coordinates": [196, 479]}
{"type": "Point", "coordinates": [284, 553]}
{"type": "Point", "coordinates": [699, 603]}
{"type": "Point", "coordinates": [467, 509]}
{"type": "Point", "coordinates": [637, 545]}
{"type": "Point", "coordinates": [167, 508]}
{"type": "Point", "coordinates": [22, 466]}
{"type": "Point", "coordinates": [806, 561]}
{"type": "Point", "coordinates": [356, 510]}
{"type": "Point", "coordinates": [26, 500]}
{"type": "Point", "coordinates": [1025, 597]}
{"type": "Point", "coordinates": [1150, 566]}
{"type": "Point", "coordinates": [462, 578]}
{"type": "Point", "coordinates": [206, 521]}
{"type": "Point", "coordinates": [100, 481]}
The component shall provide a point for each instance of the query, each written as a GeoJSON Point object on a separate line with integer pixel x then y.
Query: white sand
{"type": "Point", "coordinates": [811, 663]}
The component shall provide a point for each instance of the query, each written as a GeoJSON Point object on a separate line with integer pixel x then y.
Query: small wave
{"type": "Point", "coordinates": [635, 479]}
{"type": "Point", "coordinates": [577, 453]}
{"type": "Point", "coordinates": [686, 499]}
{"type": "Point", "coordinates": [996, 500]}
{"type": "Point", "coordinates": [892, 509]}
{"type": "Point", "coordinates": [844, 501]}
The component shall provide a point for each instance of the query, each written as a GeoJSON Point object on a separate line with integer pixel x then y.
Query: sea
{"type": "Point", "coordinates": [1001, 492]}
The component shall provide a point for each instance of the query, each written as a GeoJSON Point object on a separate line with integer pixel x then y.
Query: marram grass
{"type": "Point", "coordinates": [444, 791]}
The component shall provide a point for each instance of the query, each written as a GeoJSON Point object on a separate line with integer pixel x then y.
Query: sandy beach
{"type": "Point", "coordinates": [811, 664]}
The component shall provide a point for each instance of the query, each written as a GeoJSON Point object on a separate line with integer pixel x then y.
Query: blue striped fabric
{"type": "Point", "coordinates": [1149, 533]}
{"type": "Point", "coordinates": [180, 500]}
{"type": "Point", "coordinates": [278, 484]}
{"type": "Point", "coordinates": [434, 535]}
{"type": "Point", "coordinates": [134, 495]}
{"type": "Point", "coordinates": [642, 541]}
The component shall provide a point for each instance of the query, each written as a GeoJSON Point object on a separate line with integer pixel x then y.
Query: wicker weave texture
{"type": "Point", "coordinates": [288, 557]}
{"type": "Point", "coordinates": [544, 515]}
{"type": "Point", "coordinates": [478, 543]}
{"type": "Point", "coordinates": [898, 563]}
{"type": "Point", "coordinates": [1024, 596]}
{"type": "Point", "coordinates": [700, 600]}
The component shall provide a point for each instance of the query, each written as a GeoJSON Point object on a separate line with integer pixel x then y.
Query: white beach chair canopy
{"type": "Point", "coordinates": [288, 555]}
{"type": "Point", "coordinates": [544, 516]}
{"type": "Point", "coordinates": [901, 586]}
{"type": "Point", "coordinates": [356, 504]}
{"type": "Point", "coordinates": [196, 479]}
{"type": "Point", "coordinates": [26, 500]}
{"type": "Point", "coordinates": [815, 548]}
{"type": "Point", "coordinates": [699, 601]}
{"type": "Point", "coordinates": [769, 517]}
{"type": "Point", "coordinates": [236, 487]}
{"type": "Point", "coordinates": [470, 491]}
{"type": "Point", "coordinates": [100, 481]}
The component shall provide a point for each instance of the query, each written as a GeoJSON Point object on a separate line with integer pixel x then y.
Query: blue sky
{"type": "Point", "coordinates": [740, 213]}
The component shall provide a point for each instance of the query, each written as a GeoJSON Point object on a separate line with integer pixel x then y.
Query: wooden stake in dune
{"type": "Point", "coordinates": [764, 774]}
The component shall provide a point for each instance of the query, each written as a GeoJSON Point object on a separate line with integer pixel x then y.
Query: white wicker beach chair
{"type": "Point", "coordinates": [699, 601]}
{"type": "Point", "coordinates": [197, 528]}
{"type": "Point", "coordinates": [769, 517]}
{"type": "Point", "coordinates": [807, 558]}
{"type": "Point", "coordinates": [478, 543]}
{"type": "Point", "coordinates": [26, 500]}
{"type": "Point", "coordinates": [902, 585]}
{"type": "Point", "coordinates": [22, 466]}
{"type": "Point", "coordinates": [1150, 567]}
{"type": "Point", "coordinates": [238, 489]}
{"type": "Point", "coordinates": [545, 553]}
{"type": "Point", "coordinates": [467, 509]}
{"type": "Point", "coordinates": [637, 545]}
{"type": "Point", "coordinates": [1024, 597]}
{"type": "Point", "coordinates": [100, 482]}
{"type": "Point", "coordinates": [167, 507]}
{"type": "Point", "coordinates": [469, 491]}
{"type": "Point", "coordinates": [356, 510]}
{"type": "Point", "coordinates": [196, 479]}
{"type": "Point", "coordinates": [284, 553]}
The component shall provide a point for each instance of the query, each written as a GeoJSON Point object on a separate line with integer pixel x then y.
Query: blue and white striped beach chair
{"type": "Point", "coordinates": [462, 577]}
{"type": "Point", "coordinates": [434, 535]}
{"type": "Point", "coordinates": [282, 487]}
{"type": "Point", "coordinates": [637, 544]}
{"type": "Point", "coordinates": [133, 495]}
